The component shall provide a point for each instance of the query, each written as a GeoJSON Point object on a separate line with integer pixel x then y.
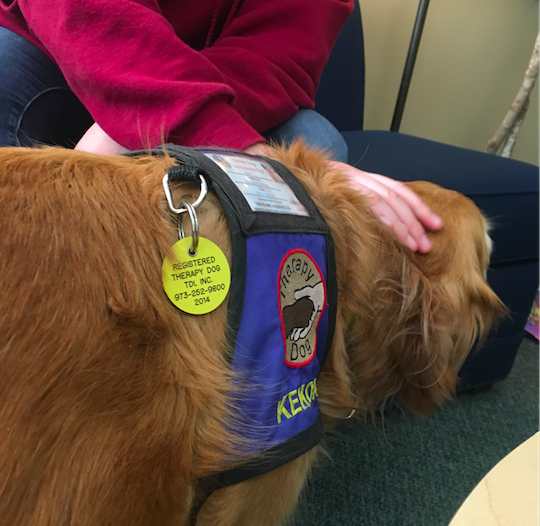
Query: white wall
{"type": "Point", "coordinates": [470, 65]}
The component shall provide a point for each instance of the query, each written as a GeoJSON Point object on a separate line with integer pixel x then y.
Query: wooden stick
{"type": "Point", "coordinates": [509, 145]}
{"type": "Point", "coordinates": [508, 126]}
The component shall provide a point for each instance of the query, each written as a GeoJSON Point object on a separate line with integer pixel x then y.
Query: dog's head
{"type": "Point", "coordinates": [427, 310]}
{"type": "Point", "coordinates": [407, 320]}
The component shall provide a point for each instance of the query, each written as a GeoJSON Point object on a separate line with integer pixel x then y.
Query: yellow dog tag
{"type": "Point", "coordinates": [196, 284]}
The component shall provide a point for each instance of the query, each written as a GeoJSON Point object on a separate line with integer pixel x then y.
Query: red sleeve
{"type": "Point", "coordinates": [143, 85]}
{"type": "Point", "coordinates": [273, 53]}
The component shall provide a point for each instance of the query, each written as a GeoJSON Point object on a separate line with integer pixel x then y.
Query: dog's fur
{"type": "Point", "coordinates": [113, 402]}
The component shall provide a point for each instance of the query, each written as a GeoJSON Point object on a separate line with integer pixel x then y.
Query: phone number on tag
{"type": "Point", "coordinates": [199, 292]}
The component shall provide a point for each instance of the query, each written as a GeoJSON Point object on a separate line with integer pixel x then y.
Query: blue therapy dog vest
{"type": "Point", "coordinates": [282, 302]}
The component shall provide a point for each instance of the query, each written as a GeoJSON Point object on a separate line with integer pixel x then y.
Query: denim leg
{"type": "Point", "coordinates": [315, 130]}
{"type": "Point", "coordinates": [36, 104]}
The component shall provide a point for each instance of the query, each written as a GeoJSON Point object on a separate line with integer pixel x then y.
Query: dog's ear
{"type": "Point", "coordinates": [453, 315]}
{"type": "Point", "coordinates": [459, 308]}
{"type": "Point", "coordinates": [427, 339]}
{"type": "Point", "coordinates": [426, 312]}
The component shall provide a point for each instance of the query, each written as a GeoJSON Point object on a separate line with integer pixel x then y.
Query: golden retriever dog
{"type": "Point", "coordinates": [113, 403]}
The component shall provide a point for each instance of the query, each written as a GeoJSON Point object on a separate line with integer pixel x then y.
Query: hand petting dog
{"type": "Point", "coordinates": [396, 205]}
{"type": "Point", "coordinates": [392, 202]}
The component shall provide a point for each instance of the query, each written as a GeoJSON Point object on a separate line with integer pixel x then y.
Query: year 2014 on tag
{"type": "Point", "coordinates": [196, 284]}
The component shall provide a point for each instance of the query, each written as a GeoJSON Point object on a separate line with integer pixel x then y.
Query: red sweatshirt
{"type": "Point", "coordinates": [194, 72]}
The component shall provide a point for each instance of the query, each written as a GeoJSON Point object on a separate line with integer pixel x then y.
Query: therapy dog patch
{"type": "Point", "coordinates": [302, 300]}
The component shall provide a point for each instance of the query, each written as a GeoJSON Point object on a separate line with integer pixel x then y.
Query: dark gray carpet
{"type": "Point", "coordinates": [404, 471]}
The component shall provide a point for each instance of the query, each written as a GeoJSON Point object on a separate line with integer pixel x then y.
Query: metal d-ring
{"type": "Point", "coordinates": [168, 194]}
{"type": "Point", "coordinates": [194, 227]}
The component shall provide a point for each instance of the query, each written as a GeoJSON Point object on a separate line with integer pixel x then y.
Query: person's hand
{"type": "Point", "coordinates": [258, 148]}
{"type": "Point", "coordinates": [95, 140]}
{"type": "Point", "coordinates": [396, 205]}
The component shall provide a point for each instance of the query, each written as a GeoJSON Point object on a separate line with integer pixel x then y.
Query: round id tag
{"type": "Point", "coordinates": [196, 284]}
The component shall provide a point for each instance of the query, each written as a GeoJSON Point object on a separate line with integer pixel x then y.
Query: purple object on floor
{"type": "Point", "coordinates": [532, 323]}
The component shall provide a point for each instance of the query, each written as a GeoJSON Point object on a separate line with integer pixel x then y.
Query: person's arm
{"type": "Point", "coordinates": [144, 86]}
{"type": "Point", "coordinates": [273, 52]}
{"type": "Point", "coordinates": [391, 201]}
{"type": "Point", "coordinates": [139, 81]}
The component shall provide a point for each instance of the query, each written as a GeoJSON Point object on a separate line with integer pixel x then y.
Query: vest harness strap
{"type": "Point", "coordinates": [282, 304]}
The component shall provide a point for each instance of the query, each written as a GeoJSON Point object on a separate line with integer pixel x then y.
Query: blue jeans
{"type": "Point", "coordinates": [315, 130]}
{"type": "Point", "coordinates": [37, 106]}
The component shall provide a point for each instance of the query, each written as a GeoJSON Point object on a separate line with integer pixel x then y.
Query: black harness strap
{"type": "Point", "coordinates": [244, 222]}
